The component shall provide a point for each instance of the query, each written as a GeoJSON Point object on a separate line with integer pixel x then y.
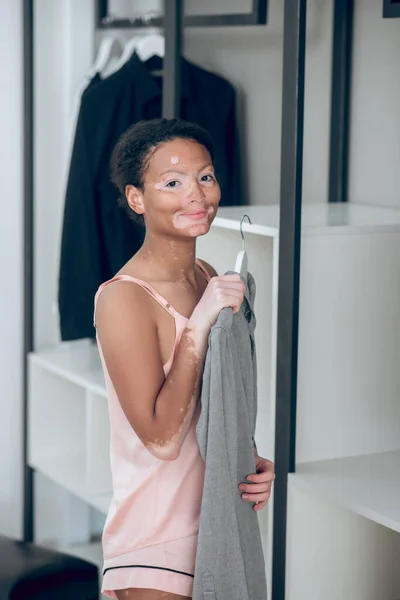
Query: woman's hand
{"type": "Point", "coordinates": [221, 292]}
{"type": "Point", "coordinates": [259, 490]}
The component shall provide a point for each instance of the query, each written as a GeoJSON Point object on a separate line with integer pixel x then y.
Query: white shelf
{"type": "Point", "coordinates": [78, 362]}
{"type": "Point", "coordinates": [367, 485]}
{"type": "Point", "coordinates": [69, 472]}
{"type": "Point", "coordinates": [327, 218]}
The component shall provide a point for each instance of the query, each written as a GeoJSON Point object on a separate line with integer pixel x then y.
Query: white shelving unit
{"type": "Point", "coordinates": [68, 421]}
{"type": "Point", "coordinates": [348, 408]}
{"type": "Point", "coordinates": [348, 414]}
{"type": "Point", "coordinates": [368, 485]}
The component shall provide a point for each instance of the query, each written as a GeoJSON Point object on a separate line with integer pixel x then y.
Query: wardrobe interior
{"type": "Point", "coordinates": [343, 518]}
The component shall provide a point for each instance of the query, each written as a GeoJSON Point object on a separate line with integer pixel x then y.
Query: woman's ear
{"type": "Point", "coordinates": [134, 198]}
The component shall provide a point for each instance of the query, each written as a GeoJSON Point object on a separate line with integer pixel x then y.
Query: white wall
{"type": "Point", "coordinates": [251, 58]}
{"type": "Point", "coordinates": [11, 268]}
{"type": "Point", "coordinates": [375, 115]}
{"type": "Point", "coordinates": [63, 53]}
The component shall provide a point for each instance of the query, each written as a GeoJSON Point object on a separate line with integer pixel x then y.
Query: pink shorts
{"type": "Point", "coordinates": [168, 567]}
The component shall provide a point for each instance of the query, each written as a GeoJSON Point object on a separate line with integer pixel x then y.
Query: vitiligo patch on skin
{"type": "Point", "coordinates": [162, 447]}
{"type": "Point", "coordinates": [184, 222]}
{"type": "Point", "coordinates": [174, 160]}
{"type": "Point", "coordinates": [158, 186]}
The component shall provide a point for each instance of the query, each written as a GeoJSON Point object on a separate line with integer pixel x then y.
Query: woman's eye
{"type": "Point", "coordinates": [208, 178]}
{"type": "Point", "coordinates": [172, 184]}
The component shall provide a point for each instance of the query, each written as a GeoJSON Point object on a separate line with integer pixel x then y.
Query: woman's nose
{"type": "Point", "coordinates": [196, 192]}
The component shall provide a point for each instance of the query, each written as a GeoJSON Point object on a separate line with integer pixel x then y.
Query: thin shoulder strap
{"type": "Point", "coordinates": [143, 284]}
{"type": "Point", "coordinates": [202, 267]}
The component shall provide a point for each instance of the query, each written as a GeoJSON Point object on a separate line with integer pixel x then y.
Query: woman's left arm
{"type": "Point", "coordinates": [257, 487]}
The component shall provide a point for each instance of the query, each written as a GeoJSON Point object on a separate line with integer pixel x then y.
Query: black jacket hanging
{"type": "Point", "coordinates": [98, 237]}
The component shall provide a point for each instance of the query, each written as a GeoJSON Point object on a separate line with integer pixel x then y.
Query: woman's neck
{"type": "Point", "coordinates": [170, 260]}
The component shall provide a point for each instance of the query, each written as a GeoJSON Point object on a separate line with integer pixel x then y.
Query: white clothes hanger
{"type": "Point", "coordinates": [241, 260]}
{"type": "Point", "coordinates": [145, 47]}
{"type": "Point", "coordinates": [127, 52]}
{"type": "Point", "coordinates": [107, 48]}
{"type": "Point", "coordinates": [151, 45]}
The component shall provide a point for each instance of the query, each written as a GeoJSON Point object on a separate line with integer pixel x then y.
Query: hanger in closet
{"type": "Point", "coordinates": [145, 47]}
{"type": "Point", "coordinates": [151, 51]}
{"type": "Point", "coordinates": [107, 49]}
{"type": "Point", "coordinates": [151, 45]}
{"type": "Point", "coordinates": [241, 260]}
{"type": "Point", "coordinates": [127, 52]}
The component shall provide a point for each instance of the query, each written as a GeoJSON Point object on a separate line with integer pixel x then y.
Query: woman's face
{"type": "Point", "coordinates": [181, 194]}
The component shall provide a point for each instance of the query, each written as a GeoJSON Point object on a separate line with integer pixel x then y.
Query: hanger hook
{"type": "Point", "coordinates": [241, 229]}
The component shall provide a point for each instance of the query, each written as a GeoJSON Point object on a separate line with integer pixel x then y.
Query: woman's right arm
{"type": "Point", "coordinates": [159, 409]}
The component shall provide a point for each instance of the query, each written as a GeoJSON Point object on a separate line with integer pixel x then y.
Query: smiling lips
{"type": "Point", "coordinates": [199, 214]}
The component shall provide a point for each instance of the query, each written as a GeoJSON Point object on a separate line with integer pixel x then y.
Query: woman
{"type": "Point", "coordinates": [152, 337]}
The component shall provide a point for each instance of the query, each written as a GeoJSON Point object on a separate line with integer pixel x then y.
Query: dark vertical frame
{"type": "Point", "coordinates": [172, 61]}
{"type": "Point", "coordinates": [294, 45]}
{"type": "Point", "coordinates": [342, 42]}
{"type": "Point", "coordinates": [28, 69]}
{"type": "Point", "coordinates": [100, 13]}
{"type": "Point", "coordinates": [260, 11]}
{"type": "Point", "coordinates": [391, 10]}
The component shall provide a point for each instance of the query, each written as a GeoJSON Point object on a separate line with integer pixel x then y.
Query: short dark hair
{"type": "Point", "coordinates": [133, 150]}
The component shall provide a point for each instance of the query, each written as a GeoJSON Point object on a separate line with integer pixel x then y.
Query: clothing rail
{"type": "Point", "coordinates": [104, 20]}
{"type": "Point", "coordinates": [172, 22]}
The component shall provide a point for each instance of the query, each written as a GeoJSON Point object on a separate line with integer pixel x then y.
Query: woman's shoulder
{"type": "Point", "coordinates": [123, 298]}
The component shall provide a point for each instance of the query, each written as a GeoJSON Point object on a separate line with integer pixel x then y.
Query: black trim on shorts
{"type": "Point", "coordinates": [146, 567]}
